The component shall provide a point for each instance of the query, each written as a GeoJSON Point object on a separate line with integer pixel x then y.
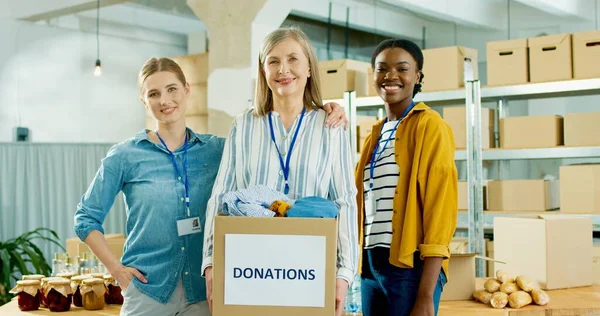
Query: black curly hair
{"type": "Point", "coordinates": [408, 46]}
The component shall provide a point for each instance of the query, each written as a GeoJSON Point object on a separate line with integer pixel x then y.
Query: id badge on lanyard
{"type": "Point", "coordinates": [190, 225]}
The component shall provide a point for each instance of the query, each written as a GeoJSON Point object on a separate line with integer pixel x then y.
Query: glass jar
{"type": "Point", "coordinates": [113, 291]}
{"type": "Point", "coordinates": [44, 290]}
{"type": "Point", "coordinates": [75, 289]}
{"type": "Point", "coordinates": [59, 295]}
{"type": "Point", "coordinates": [92, 292]}
{"type": "Point", "coordinates": [28, 293]}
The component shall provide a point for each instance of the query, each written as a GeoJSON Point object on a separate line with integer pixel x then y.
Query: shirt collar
{"type": "Point", "coordinates": [143, 135]}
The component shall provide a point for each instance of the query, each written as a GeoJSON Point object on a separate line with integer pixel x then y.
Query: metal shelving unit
{"type": "Point", "coordinates": [475, 219]}
{"type": "Point", "coordinates": [534, 153]}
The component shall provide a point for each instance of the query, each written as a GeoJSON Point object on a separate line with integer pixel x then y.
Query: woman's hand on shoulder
{"type": "Point", "coordinates": [336, 116]}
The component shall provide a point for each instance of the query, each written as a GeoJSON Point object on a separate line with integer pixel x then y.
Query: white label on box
{"type": "Point", "coordinates": [275, 270]}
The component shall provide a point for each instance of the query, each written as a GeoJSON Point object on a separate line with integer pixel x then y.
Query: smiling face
{"type": "Point", "coordinates": [165, 96]}
{"type": "Point", "coordinates": [395, 74]}
{"type": "Point", "coordinates": [286, 69]}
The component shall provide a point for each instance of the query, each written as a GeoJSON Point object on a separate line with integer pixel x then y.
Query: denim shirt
{"type": "Point", "coordinates": [154, 199]}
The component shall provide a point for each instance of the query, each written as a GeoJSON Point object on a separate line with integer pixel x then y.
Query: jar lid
{"type": "Point", "coordinates": [33, 277]}
{"type": "Point", "coordinates": [92, 281]}
{"type": "Point", "coordinates": [79, 278]}
{"type": "Point", "coordinates": [97, 275]}
{"type": "Point", "coordinates": [66, 275]}
{"type": "Point", "coordinates": [28, 282]}
{"type": "Point", "coordinates": [59, 281]}
{"type": "Point", "coordinates": [44, 280]}
{"type": "Point", "coordinates": [108, 277]}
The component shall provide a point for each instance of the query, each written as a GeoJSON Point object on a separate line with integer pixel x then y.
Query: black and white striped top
{"type": "Point", "coordinates": [378, 228]}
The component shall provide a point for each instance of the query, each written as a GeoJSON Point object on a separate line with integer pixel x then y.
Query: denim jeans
{"type": "Point", "coordinates": [389, 290]}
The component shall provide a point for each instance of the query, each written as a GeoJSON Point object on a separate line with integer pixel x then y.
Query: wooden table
{"type": "Point", "coordinates": [583, 301]}
{"type": "Point", "coordinates": [12, 309]}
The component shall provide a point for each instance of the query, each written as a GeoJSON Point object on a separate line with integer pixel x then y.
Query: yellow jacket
{"type": "Point", "coordinates": [426, 197]}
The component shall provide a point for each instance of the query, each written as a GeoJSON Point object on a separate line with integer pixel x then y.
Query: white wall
{"type": "Point", "coordinates": [47, 82]}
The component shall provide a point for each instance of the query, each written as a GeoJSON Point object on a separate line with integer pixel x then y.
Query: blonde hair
{"type": "Point", "coordinates": [154, 65]}
{"type": "Point", "coordinates": [263, 96]}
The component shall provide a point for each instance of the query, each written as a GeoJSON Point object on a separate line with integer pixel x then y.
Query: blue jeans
{"type": "Point", "coordinates": [389, 290]}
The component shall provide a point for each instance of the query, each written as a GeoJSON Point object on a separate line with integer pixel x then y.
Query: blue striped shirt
{"type": "Point", "coordinates": [321, 165]}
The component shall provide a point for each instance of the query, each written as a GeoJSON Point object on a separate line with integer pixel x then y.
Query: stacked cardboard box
{"type": "Point", "coordinates": [580, 188]}
{"type": "Point", "coordinates": [544, 59]}
{"type": "Point", "coordinates": [536, 131]}
{"type": "Point", "coordinates": [444, 67]}
{"type": "Point", "coordinates": [364, 127]}
{"type": "Point", "coordinates": [456, 117]}
{"type": "Point", "coordinates": [339, 76]}
{"type": "Point", "coordinates": [523, 195]}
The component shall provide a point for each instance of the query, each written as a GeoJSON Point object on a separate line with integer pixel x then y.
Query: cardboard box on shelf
{"type": "Point", "coordinates": [364, 127]}
{"type": "Point", "coordinates": [507, 62]}
{"type": "Point", "coordinates": [523, 195]}
{"type": "Point", "coordinates": [580, 188]}
{"type": "Point", "coordinates": [197, 123]}
{"type": "Point", "coordinates": [596, 264]}
{"type": "Point", "coordinates": [550, 58]}
{"type": "Point", "coordinates": [582, 129]}
{"type": "Point", "coordinates": [536, 131]}
{"type": "Point", "coordinates": [555, 251]}
{"type": "Point", "coordinates": [456, 117]}
{"type": "Point", "coordinates": [115, 243]}
{"type": "Point", "coordinates": [586, 53]}
{"type": "Point", "coordinates": [491, 267]}
{"type": "Point", "coordinates": [198, 100]}
{"type": "Point", "coordinates": [194, 67]}
{"type": "Point", "coordinates": [339, 76]}
{"type": "Point", "coordinates": [463, 201]}
{"type": "Point", "coordinates": [372, 91]}
{"type": "Point", "coordinates": [250, 254]}
{"type": "Point", "coordinates": [444, 67]}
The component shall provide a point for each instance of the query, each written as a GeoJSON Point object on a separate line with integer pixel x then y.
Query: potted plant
{"type": "Point", "coordinates": [21, 255]}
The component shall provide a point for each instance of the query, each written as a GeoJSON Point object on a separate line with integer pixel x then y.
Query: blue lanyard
{"type": "Point", "coordinates": [286, 167]}
{"type": "Point", "coordinates": [186, 183]}
{"type": "Point", "coordinates": [373, 160]}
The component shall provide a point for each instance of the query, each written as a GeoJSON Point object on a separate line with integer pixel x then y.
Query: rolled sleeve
{"type": "Point", "coordinates": [225, 182]}
{"type": "Point", "coordinates": [99, 197]}
{"type": "Point", "coordinates": [343, 192]}
{"type": "Point", "coordinates": [439, 191]}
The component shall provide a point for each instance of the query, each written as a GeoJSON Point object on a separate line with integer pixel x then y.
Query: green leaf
{"type": "Point", "coordinates": [6, 270]}
{"type": "Point", "coordinates": [34, 258]}
{"type": "Point", "coordinates": [21, 264]}
{"type": "Point", "coordinates": [45, 268]}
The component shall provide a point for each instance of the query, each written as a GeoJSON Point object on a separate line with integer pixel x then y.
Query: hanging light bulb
{"type": "Point", "coordinates": [98, 68]}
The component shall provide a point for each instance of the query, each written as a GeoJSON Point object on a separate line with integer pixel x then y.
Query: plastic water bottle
{"type": "Point", "coordinates": [353, 300]}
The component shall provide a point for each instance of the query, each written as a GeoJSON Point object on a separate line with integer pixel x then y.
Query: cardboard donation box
{"type": "Point", "coordinates": [274, 266]}
{"type": "Point", "coordinates": [553, 250]}
{"type": "Point", "coordinates": [115, 242]}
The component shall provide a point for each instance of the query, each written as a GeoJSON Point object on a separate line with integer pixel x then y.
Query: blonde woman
{"type": "Point", "coordinates": [166, 175]}
{"type": "Point", "coordinates": [283, 143]}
